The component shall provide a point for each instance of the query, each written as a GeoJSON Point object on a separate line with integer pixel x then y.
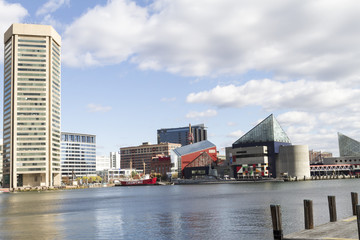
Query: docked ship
{"type": "Point", "coordinates": [146, 180]}
{"type": "Point", "coordinates": [137, 182]}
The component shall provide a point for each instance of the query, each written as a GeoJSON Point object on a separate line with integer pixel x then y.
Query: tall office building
{"type": "Point", "coordinates": [31, 127]}
{"type": "Point", "coordinates": [181, 135]}
{"type": "Point", "coordinates": [78, 155]}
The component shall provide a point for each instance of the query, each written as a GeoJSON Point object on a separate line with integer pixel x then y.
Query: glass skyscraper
{"type": "Point", "coordinates": [31, 129]}
{"type": "Point", "coordinates": [181, 135]}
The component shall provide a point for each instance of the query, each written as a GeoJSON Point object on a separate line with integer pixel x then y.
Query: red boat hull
{"type": "Point", "coordinates": [150, 181]}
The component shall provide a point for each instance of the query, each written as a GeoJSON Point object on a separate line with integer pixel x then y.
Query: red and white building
{"type": "Point", "coordinates": [181, 157]}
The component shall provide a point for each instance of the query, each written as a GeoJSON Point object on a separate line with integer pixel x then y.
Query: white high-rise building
{"type": "Point", "coordinates": [31, 129]}
{"type": "Point", "coordinates": [114, 160]}
{"type": "Point", "coordinates": [78, 155]}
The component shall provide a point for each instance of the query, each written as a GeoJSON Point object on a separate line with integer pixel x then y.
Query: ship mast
{"type": "Point", "coordinates": [144, 166]}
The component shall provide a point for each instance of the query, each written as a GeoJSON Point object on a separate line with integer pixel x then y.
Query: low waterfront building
{"type": "Point", "coordinates": [139, 157]}
{"type": "Point", "coordinates": [161, 164]}
{"type": "Point", "coordinates": [248, 161]}
{"type": "Point", "coordinates": [181, 157]}
{"type": "Point", "coordinates": [78, 155]}
{"type": "Point", "coordinates": [318, 156]}
{"type": "Point", "coordinates": [293, 161]}
{"type": "Point", "coordinates": [267, 133]}
{"type": "Point", "coordinates": [202, 166]}
{"type": "Point", "coordinates": [110, 175]}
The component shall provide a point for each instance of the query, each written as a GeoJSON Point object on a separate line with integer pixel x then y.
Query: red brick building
{"type": "Point", "coordinates": [161, 164]}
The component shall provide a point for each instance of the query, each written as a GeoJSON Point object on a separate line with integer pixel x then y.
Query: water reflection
{"type": "Point", "coordinates": [30, 215]}
{"type": "Point", "coordinates": [236, 211]}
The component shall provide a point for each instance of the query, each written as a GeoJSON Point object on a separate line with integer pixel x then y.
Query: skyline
{"type": "Point", "coordinates": [228, 65]}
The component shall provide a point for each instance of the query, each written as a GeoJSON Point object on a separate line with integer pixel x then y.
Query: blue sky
{"type": "Point", "coordinates": [132, 67]}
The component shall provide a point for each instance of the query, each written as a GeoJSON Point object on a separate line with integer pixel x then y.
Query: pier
{"type": "Point", "coordinates": [345, 229]}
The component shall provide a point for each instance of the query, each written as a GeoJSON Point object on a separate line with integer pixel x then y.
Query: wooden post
{"type": "Point", "coordinates": [276, 222]}
{"type": "Point", "coordinates": [308, 214]}
{"type": "Point", "coordinates": [354, 202]}
{"type": "Point", "coordinates": [358, 218]}
{"type": "Point", "coordinates": [332, 208]}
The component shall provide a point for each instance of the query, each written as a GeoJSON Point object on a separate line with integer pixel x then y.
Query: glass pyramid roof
{"type": "Point", "coordinates": [269, 130]}
{"type": "Point", "coordinates": [348, 146]}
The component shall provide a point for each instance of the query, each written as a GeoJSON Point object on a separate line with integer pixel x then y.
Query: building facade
{"type": "Point", "coordinates": [31, 126]}
{"type": "Point", "coordinates": [317, 157]}
{"type": "Point", "coordinates": [1, 162]}
{"type": "Point", "coordinates": [139, 157]}
{"type": "Point", "coordinates": [102, 163]}
{"type": "Point", "coordinates": [348, 146]}
{"type": "Point", "coordinates": [181, 135]}
{"type": "Point", "coordinates": [78, 155]}
{"type": "Point", "coordinates": [115, 160]}
{"type": "Point", "coordinates": [184, 155]}
{"type": "Point", "coordinates": [293, 161]}
{"type": "Point", "coordinates": [161, 164]}
{"type": "Point", "coordinates": [267, 133]}
{"type": "Point", "coordinates": [248, 161]}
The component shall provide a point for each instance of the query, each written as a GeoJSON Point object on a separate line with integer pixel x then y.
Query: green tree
{"type": "Point", "coordinates": [98, 179]}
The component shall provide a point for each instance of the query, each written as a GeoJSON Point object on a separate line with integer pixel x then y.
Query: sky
{"type": "Point", "coordinates": [132, 67]}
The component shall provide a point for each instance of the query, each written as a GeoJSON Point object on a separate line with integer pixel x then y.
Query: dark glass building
{"type": "Point", "coordinates": [181, 135]}
{"type": "Point", "coordinates": [267, 133]}
{"type": "Point", "coordinates": [348, 146]}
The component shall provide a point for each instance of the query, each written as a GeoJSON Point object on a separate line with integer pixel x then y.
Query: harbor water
{"type": "Point", "coordinates": [216, 211]}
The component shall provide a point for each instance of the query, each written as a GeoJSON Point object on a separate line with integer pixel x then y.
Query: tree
{"type": "Point", "coordinates": [98, 179]}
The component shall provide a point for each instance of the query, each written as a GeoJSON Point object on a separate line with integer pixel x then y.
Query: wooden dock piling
{"type": "Point", "coordinates": [308, 214]}
{"type": "Point", "coordinates": [332, 208]}
{"type": "Point", "coordinates": [276, 222]}
{"type": "Point", "coordinates": [358, 218]}
{"type": "Point", "coordinates": [354, 202]}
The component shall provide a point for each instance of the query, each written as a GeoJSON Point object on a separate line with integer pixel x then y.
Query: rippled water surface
{"type": "Point", "coordinates": [221, 211]}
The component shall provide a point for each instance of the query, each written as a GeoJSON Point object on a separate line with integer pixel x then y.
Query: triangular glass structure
{"type": "Point", "coordinates": [348, 146]}
{"type": "Point", "coordinates": [269, 130]}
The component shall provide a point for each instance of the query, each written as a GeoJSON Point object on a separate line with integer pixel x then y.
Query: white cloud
{"type": "Point", "coordinates": [236, 134]}
{"type": "Point", "coordinates": [98, 108]}
{"type": "Point", "coordinates": [310, 112]}
{"type": "Point", "coordinates": [111, 33]}
{"type": "Point", "coordinates": [231, 124]}
{"type": "Point", "coordinates": [205, 114]}
{"type": "Point", "coordinates": [9, 13]}
{"type": "Point", "coordinates": [51, 6]}
{"type": "Point", "coordinates": [312, 39]}
{"type": "Point", "coordinates": [271, 95]}
{"type": "Point", "coordinates": [173, 99]}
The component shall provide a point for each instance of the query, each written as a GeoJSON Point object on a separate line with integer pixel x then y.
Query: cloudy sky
{"type": "Point", "coordinates": [132, 67]}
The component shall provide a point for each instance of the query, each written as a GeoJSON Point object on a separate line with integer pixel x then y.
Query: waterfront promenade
{"type": "Point", "coordinates": [345, 229]}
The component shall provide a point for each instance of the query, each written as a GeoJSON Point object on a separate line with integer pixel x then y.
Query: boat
{"type": "Point", "coordinates": [137, 182]}
{"type": "Point", "coordinates": [146, 180]}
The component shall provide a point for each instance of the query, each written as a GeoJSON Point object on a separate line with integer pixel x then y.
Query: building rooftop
{"type": "Point", "coordinates": [194, 147]}
{"type": "Point", "coordinates": [348, 146]}
{"type": "Point", "coordinates": [32, 30]}
{"type": "Point", "coordinates": [269, 130]}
